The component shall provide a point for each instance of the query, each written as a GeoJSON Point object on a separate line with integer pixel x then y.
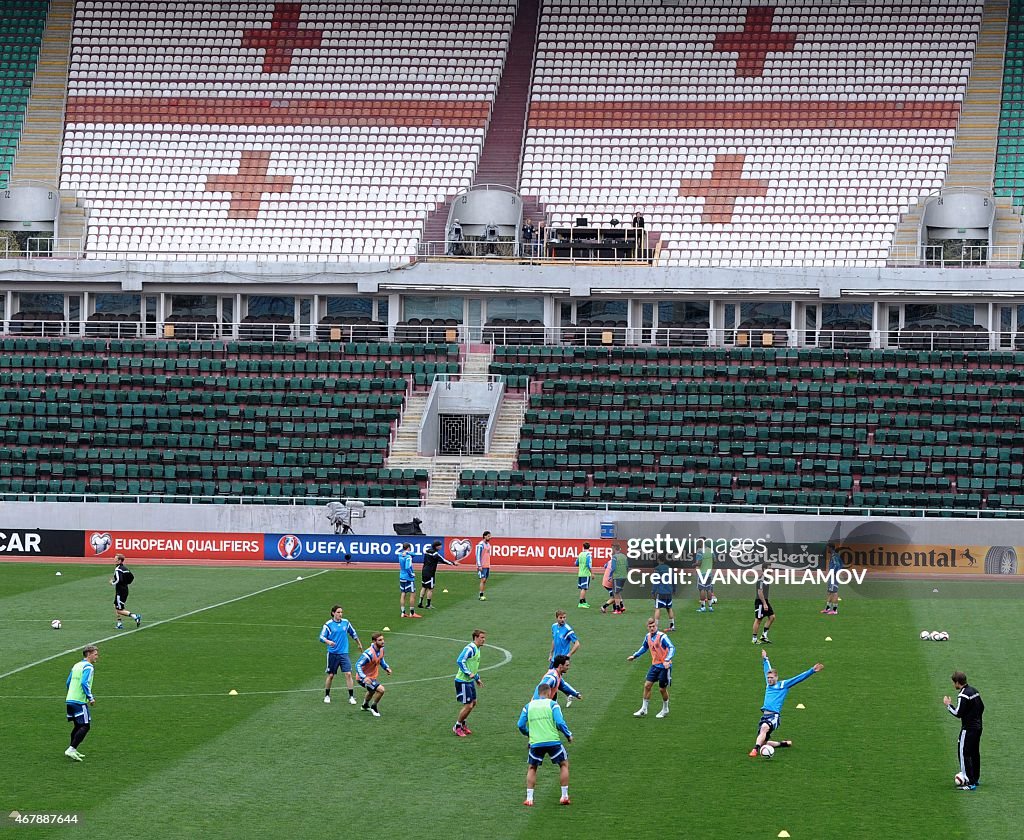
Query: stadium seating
{"type": "Point", "coordinates": [21, 30]}
{"type": "Point", "coordinates": [289, 131]}
{"type": "Point", "coordinates": [1009, 173]}
{"type": "Point", "coordinates": [772, 428]}
{"type": "Point", "coordinates": [178, 419]}
{"type": "Point", "coordinates": [777, 135]}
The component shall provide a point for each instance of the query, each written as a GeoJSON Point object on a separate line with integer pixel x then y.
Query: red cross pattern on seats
{"type": "Point", "coordinates": [721, 190]}
{"type": "Point", "coordinates": [755, 41]}
{"type": "Point", "coordinates": [248, 186]}
{"type": "Point", "coordinates": [282, 39]}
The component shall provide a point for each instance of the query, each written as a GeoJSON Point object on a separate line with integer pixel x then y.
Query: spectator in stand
{"type": "Point", "coordinates": [528, 234]}
{"type": "Point", "coordinates": [454, 239]}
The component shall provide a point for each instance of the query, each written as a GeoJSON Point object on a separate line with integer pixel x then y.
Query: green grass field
{"type": "Point", "coordinates": [171, 754]}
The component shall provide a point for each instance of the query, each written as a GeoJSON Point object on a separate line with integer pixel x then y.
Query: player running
{"type": "Point", "coordinates": [775, 691]}
{"type": "Point", "coordinates": [368, 669]}
{"type": "Point", "coordinates": [615, 571]}
{"type": "Point", "coordinates": [662, 650]}
{"type": "Point", "coordinates": [585, 569]}
{"type": "Point", "coordinates": [555, 679]}
{"type": "Point", "coordinates": [541, 720]}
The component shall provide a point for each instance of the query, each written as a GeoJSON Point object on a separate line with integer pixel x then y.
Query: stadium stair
{"type": "Point", "coordinates": [1009, 172]}
{"type": "Point", "coordinates": [444, 472]}
{"type": "Point", "coordinates": [973, 161]}
{"type": "Point", "coordinates": [21, 28]}
{"type": "Point", "coordinates": [500, 160]}
{"type": "Point", "coordinates": [38, 156]}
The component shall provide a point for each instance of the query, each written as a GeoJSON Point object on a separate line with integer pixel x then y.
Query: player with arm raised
{"type": "Point", "coordinates": [775, 691]}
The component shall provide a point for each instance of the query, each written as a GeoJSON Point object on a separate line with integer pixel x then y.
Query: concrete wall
{"type": "Point", "coordinates": [472, 521]}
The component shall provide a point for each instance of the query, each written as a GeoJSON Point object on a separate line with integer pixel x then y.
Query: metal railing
{"type": "Point", "coordinates": [597, 336]}
{"type": "Point", "coordinates": [971, 256]}
{"type": "Point", "coordinates": [162, 498]}
{"type": "Point", "coordinates": [725, 507]}
{"type": "Point", "coordinates": [44, 247]}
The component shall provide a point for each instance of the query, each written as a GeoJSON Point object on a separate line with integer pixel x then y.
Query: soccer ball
{"type": "Point", "coordinates": [936, 636]}
{"type": "Point", "coordinates": [943, 636]}
{"type": "Point", "coordinates": [925, 635]}
{"type": "Point", "coordinates": [767, 751]}
{"type": "Point", "coordinates": [960, 779]}
{"type": "Point", "coordinates": [55, 624]}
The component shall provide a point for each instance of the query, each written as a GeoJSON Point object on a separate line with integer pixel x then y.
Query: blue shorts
{"type": "Point", "coordinates": [619, 584]}
{"type": "Point", "coordinates": [369, 685]}
{"type": "Point", "coordinates": [832, 588]}
{"type": "Point", "coordinates": [583, 583]}
{"type": "Point", "coordinates": [465, 692]}
{"type": "Point", "coordinates": [483, 572]}
{"type": "Point", "coordinates": [79, 713]}
{"type": "Point", "coordinates": [661, 675]}
{"type": "Point", "coordinates": [556, 752]}
{"type": "Point", "coordinates": [406, 586]}
{"type": "Point", "coordinates": [772, 719]}
{"type": "Point", "coordinates": [338, 662]}
{"type": "Point", "coordinates": [663, 602]}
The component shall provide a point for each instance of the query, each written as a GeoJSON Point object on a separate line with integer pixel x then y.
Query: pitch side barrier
{"type": "Point", "coordinates": [932, 547]}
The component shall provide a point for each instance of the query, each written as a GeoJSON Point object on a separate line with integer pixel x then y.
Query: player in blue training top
{"type": "Point", "coordinates": [554, 679]}
{"type": "Point", "coordinates": [662, 651]}
{"type": "Point", "coordinates": [335, 634]}
{"type": "Point", "coordinates": [835, 565]}
{"type": "Point", "coordinates": [775, 691]}
{"type": "Point", "coordinates": [564, 641]}
{"type": "Point", "coordinates": [406, 581]}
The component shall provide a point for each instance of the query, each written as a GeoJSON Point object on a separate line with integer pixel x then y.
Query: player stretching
{"type": "Point", "coordinates": [585, 563]}
{"type": "Point", "coordinates": [662, 650]}
{"type": "Point", "coordinates": [541, 720]}
{"type": "Point", "coordinates": [368, 668]}
{"type": "Point", "coordinates": [554, 679]}
{"type": "Point", "coordinates": [467, 678]}
{"type": "Point", "coordinates": [835, 565]}
{"type": "Point", "coordinates": [775, 691]}
{"type": "Point", "coordinates": [483, 562]}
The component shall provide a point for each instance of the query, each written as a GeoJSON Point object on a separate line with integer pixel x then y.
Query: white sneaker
{"type": "Point", "coordinates": [352, 701]}
{"type": "Point", "coordinates": [72, 753]}
{"type": "Point", "coordinates": [327, 698]}
{"type": "Point", "coordinates": [662, 713]}
{"type": "Point", "coordinates": [374, 712]}
{"type": "Point", "coordinates": [640, 713]}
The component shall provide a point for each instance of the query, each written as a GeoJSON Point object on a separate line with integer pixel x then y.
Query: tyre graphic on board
{"type": "Point", "coordinates": [1001, 560]}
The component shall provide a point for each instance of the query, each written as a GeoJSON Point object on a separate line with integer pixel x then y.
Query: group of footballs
{"type": "Point", "coordinates": [934, 636]}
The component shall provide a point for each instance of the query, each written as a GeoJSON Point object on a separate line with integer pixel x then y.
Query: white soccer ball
{"type": "Point", "coordinates": [943, 636]}
{"type": "Point", "coordinates": [936, 636]}
{"type": "Point", "coordinates": [925, 635]}
{"type": "Point", "coordinates": [55, 624]}
{"type": "Point", "coordinates": [960, 779]}
{"type": "Point", "coordinates": [767, 751]}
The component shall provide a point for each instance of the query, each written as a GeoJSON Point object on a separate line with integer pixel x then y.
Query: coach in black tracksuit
{"type": "Point", "coordinates": [969, 708]}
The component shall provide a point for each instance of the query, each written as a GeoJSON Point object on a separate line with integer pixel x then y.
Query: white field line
{"type": "Point", "coordinates": [124, 633]}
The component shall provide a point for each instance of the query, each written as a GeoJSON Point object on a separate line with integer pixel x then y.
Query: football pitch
{"type": "Point", "coordinates": [173, 754]}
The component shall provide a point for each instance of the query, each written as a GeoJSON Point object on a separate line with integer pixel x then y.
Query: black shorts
{"type": "Point", "coordinates": [120, 598]}
{"type": "Point", "coordinates": [428, 582]}
{"type": "Point", "coordinates": [763, 610]}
